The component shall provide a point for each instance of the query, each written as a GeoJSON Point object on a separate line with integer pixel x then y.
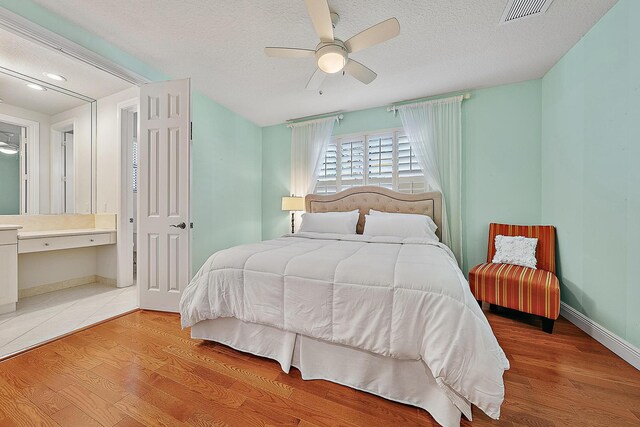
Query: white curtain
{"type": "Point", "coordinates": [309, 141]}
{"type": "Point", "coordinates": [434, 129]}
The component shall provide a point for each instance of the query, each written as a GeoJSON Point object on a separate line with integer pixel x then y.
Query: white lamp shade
{"type": "Point", "coordinates": [291, 203]}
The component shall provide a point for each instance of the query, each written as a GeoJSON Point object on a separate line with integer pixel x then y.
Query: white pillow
{"type": "Point", "coordinates": [330, 222]}
{"type": "Point", "coordinates": [410, 226]}
{"type": "Point", "coordinates": [432, 225]}
{"type": "Point", "coordinates": [516, 250]}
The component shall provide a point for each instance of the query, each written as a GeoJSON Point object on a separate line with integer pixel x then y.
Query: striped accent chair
{"type": "Point", "coordinates": [534, 291]}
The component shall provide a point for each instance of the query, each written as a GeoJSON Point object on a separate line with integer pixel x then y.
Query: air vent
{"type": "Point", "coordinates": [521, 9]}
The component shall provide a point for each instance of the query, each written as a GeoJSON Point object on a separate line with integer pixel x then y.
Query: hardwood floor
{"type": "Point", "coordinates": [141, 369]}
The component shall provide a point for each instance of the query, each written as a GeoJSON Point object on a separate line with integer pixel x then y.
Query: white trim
{"type": "Point", "coordinates": [369, 133]}
{"type": "Point", "coordinates": [27, 29]}
{"type": "Point", "coordinates": [124, 238]}
{"type": "Point", "coordinates": [94, 157]}
{"type": "Point", "coordinates": [622, 348]}
{"type": "Point", "coordinates": [33, 157]}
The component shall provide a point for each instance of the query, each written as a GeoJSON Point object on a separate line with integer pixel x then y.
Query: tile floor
{"type": "Point", "coordinates": [43, 317]}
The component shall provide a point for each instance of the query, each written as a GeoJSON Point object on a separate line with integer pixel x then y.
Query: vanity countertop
{"type": "Point", "coordinates": [60, 233]}
{"type": "Point", "coordinates": [4, 227]}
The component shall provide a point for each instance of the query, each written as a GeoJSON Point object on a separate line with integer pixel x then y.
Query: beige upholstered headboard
{"type": "Point", "coordinates": [380, 199]}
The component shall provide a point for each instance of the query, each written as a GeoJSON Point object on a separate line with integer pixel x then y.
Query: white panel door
{"type": "Point", "coordinates": [163, 194]}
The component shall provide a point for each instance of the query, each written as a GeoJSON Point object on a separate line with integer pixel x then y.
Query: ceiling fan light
{"type": "Point", "coordinates": [331, 58]}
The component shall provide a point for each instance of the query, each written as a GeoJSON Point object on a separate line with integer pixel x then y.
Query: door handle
{"type": "Point", "coordinates": [182, 225]}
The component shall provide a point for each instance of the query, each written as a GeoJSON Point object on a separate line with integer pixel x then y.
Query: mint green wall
{"type": "Point", "coordinates": [227, 179]}
{"type": "Point", "coordinates": [10, 179]}
{"type": "Point", "coordinates": [226, 173]}
{"type": "Point", "coordinates": [276, 172]}
{"type": "Point", "coordinates": [501, 161]}
{"type": "Point", "coordinates": [591, 172]}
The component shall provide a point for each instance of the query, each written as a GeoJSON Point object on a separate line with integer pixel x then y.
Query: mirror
{"type": "Point", "coordinates": [48, 126]}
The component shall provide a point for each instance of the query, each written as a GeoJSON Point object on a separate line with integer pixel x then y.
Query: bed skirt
{"type": "Point", "coordinates": [404, 381]}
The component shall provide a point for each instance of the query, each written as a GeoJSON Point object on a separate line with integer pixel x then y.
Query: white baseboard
{"type": "Point", "coordinates": [622, 348]}
{"type": "Point", "coordinates": [106, 281]}
{"type": "Point", "coordinates": [71, 283]}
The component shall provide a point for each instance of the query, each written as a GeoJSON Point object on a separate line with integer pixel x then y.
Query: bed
{"type": "Point", "coordinates": [389, 316]}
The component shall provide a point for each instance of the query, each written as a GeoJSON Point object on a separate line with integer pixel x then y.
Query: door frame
{"type": "Point", "coordinates": [124, 235]}
{"type": "Point", "coordinates": [55, 155]}
{"type": "Point", "coordinates": [33, 154]}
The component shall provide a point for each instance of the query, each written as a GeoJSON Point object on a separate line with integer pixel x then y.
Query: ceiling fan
{"type": "Point", "coordinates": [331, 54]}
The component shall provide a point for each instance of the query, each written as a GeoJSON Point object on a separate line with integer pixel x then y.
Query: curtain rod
{"type": "Point", "coordinates": [339, 116]}
{"type": "Point", "coordinates": [394, 108]}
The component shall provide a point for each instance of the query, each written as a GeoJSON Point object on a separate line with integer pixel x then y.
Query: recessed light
{"type": "Point", "coordinates": [9, 149]}
{"type": "Point", "coordinates": [56, 77]}
{"type": "Point", "coordinates": [36, 87]}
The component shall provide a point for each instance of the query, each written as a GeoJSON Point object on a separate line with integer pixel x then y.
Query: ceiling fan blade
{"type": "Point", "coordinates": [288, 52]}
{"type": "Point", "coordinates": [379, 33]}
{"type": "Point", "coordinates": [321, 17]}
{"type": "Point", "coordinates": [360, 72]}
{"type": "Point", "coordinates": [316, 80]}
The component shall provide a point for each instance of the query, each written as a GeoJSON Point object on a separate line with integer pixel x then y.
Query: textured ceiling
{"type": "Point", "coordinates": [444, 46]}
{"type": "Point", "coordinates": [28, 58]}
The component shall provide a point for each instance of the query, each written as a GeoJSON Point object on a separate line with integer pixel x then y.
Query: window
{"type": "Point", "coordinates": [384, 159]}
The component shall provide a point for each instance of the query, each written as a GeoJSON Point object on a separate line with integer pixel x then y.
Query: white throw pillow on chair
{"type": "Point", "coordinates": [516, 250]}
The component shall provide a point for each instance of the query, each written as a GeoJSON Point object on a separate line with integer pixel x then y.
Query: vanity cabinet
{"type": "Point", "coordinates": [16, 241]}
{"type": "Point", "coordinates": [63, 239]}
{"type": "Point", "coordinates": [8, 268]}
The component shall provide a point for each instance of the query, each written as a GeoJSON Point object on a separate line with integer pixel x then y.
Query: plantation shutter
{"type": "Point", "coordinates": [351, 163]}
{"type": "Point", "coordinates": [380, 170]}
{"type": "Point", "coordinates": [327, 178]}
{"type": "Point", "coordinates": [384, 160]}
{"type": "Point", "coordinates": [410, 176]}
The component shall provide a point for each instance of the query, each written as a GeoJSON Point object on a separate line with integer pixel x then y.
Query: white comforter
{"type": "Point", "coordinates": [402, 298]}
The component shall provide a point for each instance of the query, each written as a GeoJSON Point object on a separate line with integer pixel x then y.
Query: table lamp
{"type": "Point", "coordinates": [292, 204]}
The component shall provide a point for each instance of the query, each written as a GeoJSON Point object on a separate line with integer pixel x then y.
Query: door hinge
{"type": "Point", "coordinates": [131, 220]}
{"type": "Point", "coordinates": [190, 131]}
{"type": "Point", "coordinates": [190, 225]}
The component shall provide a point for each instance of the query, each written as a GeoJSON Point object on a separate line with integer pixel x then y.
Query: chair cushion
{"type": "Point", "coordinates": [520, 288]}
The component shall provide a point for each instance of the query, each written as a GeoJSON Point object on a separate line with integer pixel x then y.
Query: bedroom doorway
{"type": "Point", "coordinates": [19, 142]}
{"type": "Point", "coordinates": [13, 168]}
